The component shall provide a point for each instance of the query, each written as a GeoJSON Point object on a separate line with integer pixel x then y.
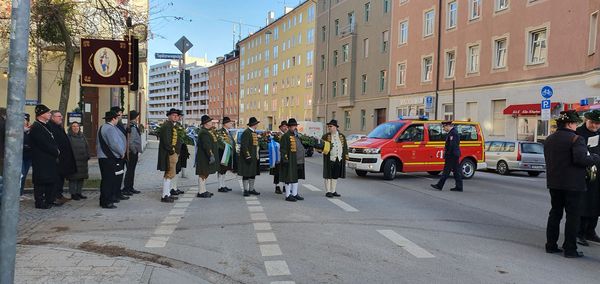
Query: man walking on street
{"type": "Point", "coordinates": [206, 159]}
{"type": "Point", "coordinates": [226, 142]}
{"type": "Point", "coordinates": [283, 128]}
{"type": "Point", "coordinates": [567, 157]}
{"type": "Point", "coordinates": [590, 210]}
{"type": "Point", "coordinates": [451, 159]}
{"type": "Point", "coordinates": [110, 148]}
{"type": "Point", "coordinates": [135, 148]}
{"type": "Point", "coordinates": [248, 167]}
{"type": "Point", "coordinates": [66, 159]}
{"type": "Point", "coordinates": [334, 161]}
{"type": "Point", "coordinates": [292, 161]}
{"type": "Point", "coordinates": [44, 156]}
{"type": "Point", "coordinates": [168, 152]}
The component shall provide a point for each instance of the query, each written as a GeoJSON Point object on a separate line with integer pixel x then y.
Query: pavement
{"type": "Point", "coordinates": [379, 231]}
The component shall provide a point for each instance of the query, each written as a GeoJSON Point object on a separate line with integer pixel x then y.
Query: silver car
{"type": "Point", "coordinates": [509, 156]}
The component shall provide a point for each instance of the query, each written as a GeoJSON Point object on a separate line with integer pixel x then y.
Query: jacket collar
{"type": "Point", "coordinates": [565, 129]}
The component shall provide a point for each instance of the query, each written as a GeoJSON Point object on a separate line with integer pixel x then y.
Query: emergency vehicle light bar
{"type": "Point", "coordinates": [413, 117]}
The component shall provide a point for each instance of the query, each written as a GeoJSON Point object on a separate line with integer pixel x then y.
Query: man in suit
{"type": "Point", "coordinates": [451, 159]}
{"type": "Point", "coordinates": [206, 155]}
{"type": "Point", "coordinates": [248, 167]}
{"type": "Point", "coordinates": [226, 141]}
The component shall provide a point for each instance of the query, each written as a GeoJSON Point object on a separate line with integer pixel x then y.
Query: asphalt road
{"type": "Point", "coordinates": [398, 231]}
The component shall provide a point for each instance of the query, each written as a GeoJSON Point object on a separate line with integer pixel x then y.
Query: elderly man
{"type": "Point", "coordinates": [292, 161]}
{"type": "Point", "coordinates": [226, 142]}
{"type": "Point", "coordinates": [66, 159]}
{"type": "Point", "coordinates": [44, 152]}
{"type": "Point", "coordinates": [110, 148]}
{"type": "Point", "coordinates": [451, 159]}
{"type": "Point", "coordinates": [334, 161]}
{"type": "Point", "coordinates": [248, 163]}
{"type": "Point", "coordinates": [169, 148]}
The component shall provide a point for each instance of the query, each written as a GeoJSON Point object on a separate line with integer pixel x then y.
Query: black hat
{"type": "Point", "coordinates": [447, 122]}
{"type": "Point", "coordinates": [334, 123]}
{"type": "Point", "coordinates": [593, 115]}
{"type": "Point", "coordinates": [205, 119]}
{"type": "Point", "coordinates": [174, 110]}
{"type": "Point", "coordinates": [133, 114]}
{"type": "Point", "coordinates": [110, 115]}
{"type": "Point", "coordinates": [569, 116]}
{"type": "Point", "coordinates": [292, 122]}
{"type": "Point", "coordinates": [41, 109]}
{"type": "Point", "coordinates": [117, 109]}
{"type": "Point", "coordinates": [226, 120]}
{"type": "Point", "coordinates": [253, 121]}
{"type": "Point", "coordinates": [283, 123]}
{"type": "Point", "coordinates": [27, 117]}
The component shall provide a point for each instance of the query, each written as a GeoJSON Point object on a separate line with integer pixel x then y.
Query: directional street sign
{"type": "Point", "coordinates": [174, 56]}
{"type": "Point", "coordinates": [546, 106]}
{"type": "Point", "coordinates": [547, 92]}
{"type": "Point", "coordinates": [183, 44]}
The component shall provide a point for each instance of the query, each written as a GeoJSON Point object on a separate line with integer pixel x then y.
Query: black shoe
{"type": "Point", "coordinates": [126, 192]}
{"type": "Point", "coordinates": [56, 204]}
{"type": "Point", "coordinates": [116, 200]}
{"type": "Point", "coordinates": [108, 206]}
{"type": "Point", "coordinates": [123, 197]}
{"type": "Point", "coordinates": [254, 192]}
{"type": "Point", "coordinates": [336, 194]}
{"type": "Point", "coordinates": [174, 197]}
{"type": "Point", "coordinates": [222, 189]}
{"type": "Point", "coordinates": [134, 191]}
{"type": "Point", "coordinates": [582, 242]}
{"type": "Point", "coordinates": [75, 197]}
{"type": "Point", "coordinates": [179, 191]}
{"type": "Point", "coordinates": [246, 193]}
{"type": "Point", "coordinates": [174, 192]}
{"type": "Point", "coordinates": [553, 249]}
{"type": "Point", "coordinates": [436, 186]}
{"type": "Point", "coordinates": [298, 197]}
{"type": "Point", "coordinates": [228, 189]}
{"type": "Point", "coordinates": [167, 199]}
{"type": "Point", "coordinates": [573, 254]}
{"type": "Point", "coordinates": [211, 194]}
{"type": "Point", "coordinates": [204, 195]}
{"type": "Point", "coordinates": [290, 198]}
{"type": "Point", "coordinates": [278, 190]}
{"type": "Point", "coordinates": [593, 239]}
{"type": "Point", "coordinates": [329, 195]}
{"type": "Point", "coordinates": [456, 189]}
{"type": "Point", "coordinates": [81, 196]}
{"type": "Point", "coordinates": [43, 206]}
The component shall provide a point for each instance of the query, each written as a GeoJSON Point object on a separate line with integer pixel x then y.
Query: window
{"type": "Point", "coordinates": [364, 83]}
{"type": "Point", "coordinates": [501, 5]}
{"type": "Point", "coordinates": [382, 75]}
{"type": "Point", "coordinates": [537, 47]}
{"type": "Point", "coordinates": [500, 53]}
{"type": "Point", "coordinates": [472, 111]}
{"type": "Point", "coordinates": [275, 71]}
{"type": "Point", "coordinates": [321, 91]}
{"type": "Point", "coordinates": [475, 9]}
{"type": "Point", "coordinates": [367, 11]}
{"type": "Point", "coordinates": [351, 21]}
{"type": "Point", "coordinates": [436, 132]}
{"type": "Point", "coordinates": [322, 62]}
{"type": "Point", "coordinates": [345, 52]}
{"type": "Point", "coordinates": [323, 33]}
{"type": "Point", "coordinates": [333, 115]}
{"type": "Point", "coordinates": [266, 88]}
{"type": "Point", "coordinates": [309, 58]}
{"type": "Point", "coordinates": [403, 32]}
{"type": "Point", "coordinates": [385, 41]}
{"type": "Point", "coordinates": [363, 119]}
{"type": "Point", "coordinates": [413, 133]}
{"type": "Point", "coordinates": [276, 33]}
{"type": "Point", "coordinates": [334, 89]}
{"type": "Point", "coordinates": [366, 48]}
{"type": "Point", "coordinates": [428, 22]}
{"type": "Point", "coordinates": [448, 111]}
{"type": "Point", "coordinates": [275, 52]}
{"type": "Point", "coordinates": [452, 15]}
{"type": "Point", "coordinates": [427, 68]}
{"type": "Point", "coordinates": [335, 58]}
{"type": "Point", "coordinates": [310, 35]}
{"type": "Point", "coordinates": [386, 6]}
{"type": "Point", "coordinates": [498, 117]}
{"type": "Point", "coordinates": [346, 120]}
{"type": "Point", "coordinates": [344, 86]}
{"type": "Point", "coordinates": [266, 72]}
{"type": "Point", "coordinates": [450, 63]}
{"type": "Point", "coordinates": [337, 27]}
{"type": "Point", "coordinates": [473, 60]}
{"type": "Point", "coordinates": [593, 33]}
{"type": "Point", "coordinates": [311, 13]}
{"type": "Point", "coordinates": [401, 74]}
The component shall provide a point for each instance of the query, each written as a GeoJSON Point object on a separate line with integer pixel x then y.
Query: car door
{"type": "Point", "coordinates": [412, 144]}
{"type": "Point", "coordinates": [494, 153]}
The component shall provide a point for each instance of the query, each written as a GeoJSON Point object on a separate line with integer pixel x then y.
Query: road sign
{"type": "Point", "coordinates": [546, 106]}
{"type": "Point", "coordinates": [183, 44]}
{"type": "Point", "coordinates": [174, 56]}
{"type": "Point", "coordinates": [547, 92]}
{"type": "Point", "coordinates": [428, 103]}
{"type": "Point", "coordinates": [31, 102]}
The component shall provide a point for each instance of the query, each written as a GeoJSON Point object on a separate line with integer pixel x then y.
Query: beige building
{"type": "Point", "coordinates": [276, 68]}
{"type": "Point", "coordinates": [498, 54]}
{"type": "Point", "coordinates": [352, 63]}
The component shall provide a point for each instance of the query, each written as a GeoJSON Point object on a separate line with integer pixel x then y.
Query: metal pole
{"type": "Point", "coordinates": [438, 60]}
{"type": "Point", "coordinates": [453, 100]}
{"type": "Point", "coordinates": [13, 157]}
{"type": "Point", "coordinates": [183, 101]}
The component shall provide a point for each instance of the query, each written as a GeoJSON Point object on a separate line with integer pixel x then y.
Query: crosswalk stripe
{"type": "Point", "coordinates": [406, 244]}
{"type": "Point", "coordinates": [345, 206]}
{"type": "Point", "coordinates": [311, 187]}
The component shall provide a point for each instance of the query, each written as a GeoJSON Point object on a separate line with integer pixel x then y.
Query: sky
{"type": "Point", "coordinates": [203, 24]}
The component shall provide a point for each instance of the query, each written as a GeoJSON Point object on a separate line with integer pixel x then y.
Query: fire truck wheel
{"type": "Point", "coordinates": [361, 173]}
{"type": "Point", "coordinates": [468, 168]}
{"type": "Point", "coordinates": [389, 169]}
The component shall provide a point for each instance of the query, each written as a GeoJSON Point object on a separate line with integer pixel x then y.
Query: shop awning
{"type": "Point", "coordinates": [526, 109]}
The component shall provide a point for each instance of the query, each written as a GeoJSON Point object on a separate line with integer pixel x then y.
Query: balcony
{"type": "Point", "coordinates": [348, 30]}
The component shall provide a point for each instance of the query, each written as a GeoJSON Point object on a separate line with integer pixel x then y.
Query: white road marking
{"type": "Point", "coordinates": [283, 282]}
{"type": "Point", "coordinates": [258, 217]}
{"type": "Point", "coordinates": [165, 230]}
{"type": "Point", "coordinates": [181, 205]}
{"type": "Point", "coordinates": [277, 268]}
{"type": "Point", "coordinates": [177, 211]}
{"type": "Point", "coordinates": [311, 187]}
{"type": "Point", "coordinates": [171, 220]}
{"type": "Point", "coordinates": [251, 198]}
{"type": "Point", "coordinates": [262, 226]}
{"type": "Point", "coordinates": [345, 206]}
{"type": "Point", "coordinates": [406, 244]}
{"type": "Point", "coordinates": [270, 250]}
{"type": "Point", "coordinates": [157, 242]}
{"type": "Point", "coordinates": [266, 237]}
{"type": "Point", "coordinates": [186, 199]}
{"type": "Point", "coordinates": [253, 202]}
{"type": "Point", "coordinates": [256, 209]}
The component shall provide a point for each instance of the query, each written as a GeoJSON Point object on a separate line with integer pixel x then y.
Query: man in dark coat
{"type": "Point", "coordinates": [45, 155]}
{"type": "Point", "coordinates": [292, 161]}
{"type": "Point", "coordinates": [66, 159]}
{"type": "Point", "coordinates": [566, 157]}
{"type": "Point", "coordinates": [451, 159]}
{"type": "Point", "coordinates": [225, 141]}
{"type": "Point", "coordinates": [590, 210]}
{"type": "Point", "coordinates": [206, 155]}
{"type": "Point", "coordinates": [334, 161]}
{"type": "Point", "coordinates": [283, 128]}
{"type": "Point", "coordinates": [248, 167]}
{"type": "Point", "coordinates": [135, 149]}
{"type": "Point", "coordinates": [169, 148]}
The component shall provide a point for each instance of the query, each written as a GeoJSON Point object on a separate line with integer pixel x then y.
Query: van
{"type": "Point", "coordinates": [415, 145]}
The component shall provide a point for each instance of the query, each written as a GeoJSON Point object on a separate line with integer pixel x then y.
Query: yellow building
{"type": "Point", "coordinates": [276, 68]}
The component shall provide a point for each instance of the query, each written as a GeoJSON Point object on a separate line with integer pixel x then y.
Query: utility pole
{"type": "Point", "coordinates": [13, 157]}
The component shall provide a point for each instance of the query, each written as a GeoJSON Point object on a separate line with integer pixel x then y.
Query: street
{"type": "Point", "coordinates": [398, 231]}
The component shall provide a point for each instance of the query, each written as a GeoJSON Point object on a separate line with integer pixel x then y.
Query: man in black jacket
{"type": "Point", "coordinates": [45, 154]}
{"type": "Point", "coordinates": [66, 159]}
{"type": "Point", "coordinates": [451, 158]}
{"type": "Point", "coordinates": [567, 157]}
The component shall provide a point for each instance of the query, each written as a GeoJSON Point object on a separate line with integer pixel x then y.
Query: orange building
{"type": "Point", "coordinates": [224, 88]}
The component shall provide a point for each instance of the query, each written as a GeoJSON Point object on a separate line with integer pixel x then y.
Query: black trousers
{"type": "Point", "coordinates": [60, 183]}
{"type": "Point", "coordinates": [451, 165]}
{"type": "Point", "coordinates": [109, 181]}
{"type": "Point", "coordinates": [130, 174]}
{"type": "Point", "coordinates": [44, 193]}
{"type": "Point", "coordinates": [587, 227]}
{"type": "Point", "coordinates": [570, 202]}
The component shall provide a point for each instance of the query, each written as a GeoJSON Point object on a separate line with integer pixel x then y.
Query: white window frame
{"type": "Point", "coordinates": [593, 35]}
{"type": "Point", "coordinates": [401, 74]}
{"type": "Point", "coordinates": [345, 53]}
{"type": "Point", "coordinates": [427, 69]}
{"type": "Point", "coordinates": [501, 5]}
{"type": "Point", "coordinates": [452, 15]}
{"type": "Point", "coordinates": [473, 60]}
{"type": "Point", "coordinates": [428, 23]}
{"type": "Point", "coordinates": [403, 32]}
{"type": "Point", "coordinates": [450, 67]}
{"type": "Point", "coordinates": [531, 43]}
{"type": "Point", "coordinates": [366, 48]}
{"type": "Point", "coordinates": [344, 86]}
{"type": "Point", "coordinates": [472, 15]}
{"type": "Point", "coordinates": [496, 56]}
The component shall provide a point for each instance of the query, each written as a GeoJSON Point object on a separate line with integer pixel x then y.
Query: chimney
{"type": "Point", "coordinates": [287, 10]}
{"type": "Point", "coordinates": [270, 17]}
{"type": "Point", "coordinates": [220, 58]}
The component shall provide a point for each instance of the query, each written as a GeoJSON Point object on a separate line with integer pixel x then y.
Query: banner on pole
{"type": "Point", "coordinates": [104, 63]}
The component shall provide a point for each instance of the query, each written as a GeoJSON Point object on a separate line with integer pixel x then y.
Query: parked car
{"type": "Point", "coordinates": [354, 137]}
{"type": "Point", "coordinates": [415, 145]}
{"type": "Point", "coordinates": [511, 156]}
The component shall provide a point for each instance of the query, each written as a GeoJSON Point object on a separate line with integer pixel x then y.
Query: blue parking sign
{"type": "Point", "coordinates": [547, 92]}
{"type": "Point", "coordinates": [546, 104]}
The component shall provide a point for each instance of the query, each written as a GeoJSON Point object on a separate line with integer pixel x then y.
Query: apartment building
{"type": "Point", "coordinates": [223, 87]}
{"type": "Point", "coordinates": [164, 86]}
{"type": "Point", "coordinates": [276, 68]}
{"type": "Point", "coordinates": [352, 70]}
{"type": "Point", "coordinates": [498, 54]}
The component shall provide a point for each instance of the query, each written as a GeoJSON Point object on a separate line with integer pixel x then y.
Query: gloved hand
{"type": "Point", "coordinates": [211, 160]}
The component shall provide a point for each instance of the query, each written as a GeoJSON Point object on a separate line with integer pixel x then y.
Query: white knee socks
{"type": "Point", "coordinates": [251, 183]}
{"type": "Point", "coordinates": [174, 183]}
{"type": "Point", "coordinates": [328, 185]}
{"type": "Point", "coordinates": [294, 189]}
{"type": "Point", "coordinates": [288, 190]}
{"type": "Point", "coordinates": [202, 185]}
{"type": "Point", "coordinates": [245, 184]}
{"type": "Point", "coordinates": [166, 187]}
{"type": "Point", "coordinates": [333, 184]}
{"type": "Point", "coordinates": [221, 180]}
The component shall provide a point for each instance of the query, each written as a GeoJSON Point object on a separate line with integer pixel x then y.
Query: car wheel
{"type": "Point", "coordinates": [389, 170]}
{"type": "Point", "coordinates": [434, 173]}
{"type": "Point", "coordinates": [534, 174]}
{"type": "Point", "coordinates": [468, 168]}
{"type": "Point", "coordinates": [502, 168]}
{"type": "Point", "coordinates": [361, 173]}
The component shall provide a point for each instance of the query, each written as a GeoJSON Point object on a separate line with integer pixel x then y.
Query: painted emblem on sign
{"type": "Point", "coordinates": [105, 61]}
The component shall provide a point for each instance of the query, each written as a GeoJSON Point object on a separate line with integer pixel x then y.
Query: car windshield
{"type": "Point", "coordinates": [386, 130]}
{"type": "Point", "coordinates": [532, 148]}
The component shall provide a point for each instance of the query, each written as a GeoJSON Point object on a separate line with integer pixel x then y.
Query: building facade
{"type": "Point", "coordinates": [352, 63]}
{"type": "Point", "coordinates": [224, 88]}
{"type": "Point", "coordinates": [498, 55]}
{"type": "Point", "coordinates": [276, 68]}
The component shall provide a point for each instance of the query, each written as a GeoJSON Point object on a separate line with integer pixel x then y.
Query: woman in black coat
{"type": "Point", "coordinates": [81, 154]}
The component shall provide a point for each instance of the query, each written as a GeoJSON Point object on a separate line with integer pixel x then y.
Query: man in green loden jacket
{"type": "Point", "coordinates": [168, 152]}
{"type": "Point", "coordinates": [226, 140]}
{"type": "Point", "coordinates": [248, 167]}
{"type": "Point", "coordinates": [275, 171]}
{"type": "Point", "coordinates": [206, 154]}
{"type": "Point", "coordinates": [334, 160]}
{"type": "Point", "coordinates": [292, 161]}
